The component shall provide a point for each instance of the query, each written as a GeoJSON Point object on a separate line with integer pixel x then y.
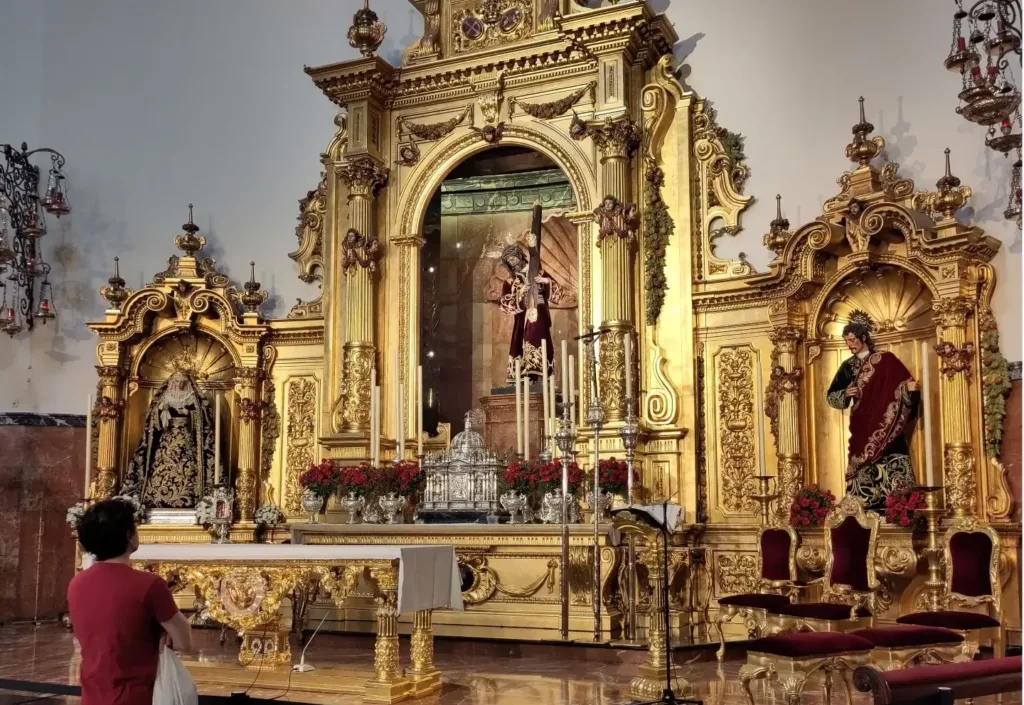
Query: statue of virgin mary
{"type": "Point", "coordinates": [173, 465]}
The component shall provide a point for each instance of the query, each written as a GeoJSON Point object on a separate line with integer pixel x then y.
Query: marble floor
{"type": "Point", "coordinates": [474, 673]}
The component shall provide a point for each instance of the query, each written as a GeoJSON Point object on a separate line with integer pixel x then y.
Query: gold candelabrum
{"type": "Point", "coordinates": [765, 496]}
{"type": "Point", "coordinates": [934, 508]}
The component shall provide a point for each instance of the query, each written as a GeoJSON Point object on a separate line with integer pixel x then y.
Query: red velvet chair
{"type": "Point", "coordinates": [849, 583]}
{"type": "Point", "coordinates": [972, 581]}
{"type": "Point", "coordinates": [776, 556]}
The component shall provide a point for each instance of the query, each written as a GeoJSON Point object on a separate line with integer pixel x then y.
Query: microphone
{"type": "Point", "coordinates": [595, 334]}
{"type": "Point", "coordinates": [302, 666]}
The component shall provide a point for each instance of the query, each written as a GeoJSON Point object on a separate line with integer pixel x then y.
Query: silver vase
{"type": "Point", "coordinates": [515, 503]}
{"type": "Point", "coordinates": [311, 503]}
{"type": "Point", "coordinates": [392, 505]}
{"type": "Point", "coordinates": [605, 500]}
{"type": "Point", "coordinates": [354, 506]}
{"type": "Point", "coordinates": [551, 508]}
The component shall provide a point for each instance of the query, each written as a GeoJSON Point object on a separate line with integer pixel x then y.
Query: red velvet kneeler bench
{"type": "Point", "coordinates": [920, 684]}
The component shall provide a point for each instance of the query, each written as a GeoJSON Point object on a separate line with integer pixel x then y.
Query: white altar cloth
{"type": "Point", "coordinates": [428, 576]}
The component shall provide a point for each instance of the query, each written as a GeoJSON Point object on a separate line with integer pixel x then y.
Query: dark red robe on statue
{"type": "Point", "coordinates": [880, 420]}
{"type": "Point", "coordinates": [528, 334]}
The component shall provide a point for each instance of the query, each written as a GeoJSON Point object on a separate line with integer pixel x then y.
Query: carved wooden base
{"type": "Point", "coordinates": [794, 674]}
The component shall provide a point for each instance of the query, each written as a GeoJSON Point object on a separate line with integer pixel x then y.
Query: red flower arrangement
{"type": "Point", "coordinates": [321, 479]}
{"type": "Point", "coordinates": [613, 476]}
{"type": "Point", "coordinates": [356, 479]}
{"type": "Point", "coordinates": [811, 506]}
{"type": "Point", "coordinates": [520, 476]}
{"type": "Point", "coordinates": [549, 476]}
{"type": "Point", "coordinates": [902, 507]}
{"type": "Point", "coordinates": [403, 478]}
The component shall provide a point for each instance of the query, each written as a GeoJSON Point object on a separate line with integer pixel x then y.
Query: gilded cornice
{"type": "Point", "coordinates": [295, 332]}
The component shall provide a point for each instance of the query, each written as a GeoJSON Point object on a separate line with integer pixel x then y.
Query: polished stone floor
{"type": "Point", "coordinates": [474, 673]}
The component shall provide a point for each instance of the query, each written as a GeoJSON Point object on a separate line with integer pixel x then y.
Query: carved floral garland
{"type": "Point", "coordinates": [995, 376]}
{"type": "Point", "coordinates": [658, 228]}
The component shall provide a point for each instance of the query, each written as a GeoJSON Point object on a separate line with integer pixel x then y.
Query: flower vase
{"type": "Point", "coordinates": [551, 508]}
{"type": "Point", "coordinates": [311, 503]}
{"type": "Point", "coordinates": [353, 504]}
{"type": "Point", "coordinates": [392, 505]}
{"type": "Point", "coordinates": [515, 503]}
{"type": "Point", "coordinates": [604, 506]}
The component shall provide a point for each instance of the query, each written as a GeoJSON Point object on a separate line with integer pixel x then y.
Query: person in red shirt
{"type": "Point", "coordinates": [122, 617]}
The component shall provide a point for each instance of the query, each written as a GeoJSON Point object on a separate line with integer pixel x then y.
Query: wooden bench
{"type": "Point", "coordinates": [920, 685]}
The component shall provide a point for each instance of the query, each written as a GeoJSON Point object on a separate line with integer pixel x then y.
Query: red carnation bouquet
{"type": "Point", "coordinates": [321, 479]}
{"type": "Point", "coordinates": [403, 478]}
{"type": "Point", "coordinates": [520, 476]}
{"type": "Point", "coordinates": [549, 476]}
{"type": "Point", "coordinates": [356, 479]}
{"type": "Point", "coordinates": [811, 506]}
{"type": "Point", "coordinates": [613, 476]}
{"type": "Point", "coordinates": [903, 506]}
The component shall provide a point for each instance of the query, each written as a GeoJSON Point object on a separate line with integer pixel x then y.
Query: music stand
{"type": "Point", "coordinates": [668, 696]}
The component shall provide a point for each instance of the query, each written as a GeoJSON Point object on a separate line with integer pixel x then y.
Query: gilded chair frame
{"type": "Point", "coordinates": [971, 525]}
{"type": "Point", "coordinates": [848, 507]}
{"type": "Point", "coordinates": [756, 618]}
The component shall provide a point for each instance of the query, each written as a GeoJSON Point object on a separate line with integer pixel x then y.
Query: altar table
{"type": "Point", "coordinates": [244, 585]}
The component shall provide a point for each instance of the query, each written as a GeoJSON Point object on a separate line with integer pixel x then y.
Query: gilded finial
{"type": "Point", "coordinates": [778, 230]}
{"type": "Point", "coordinates": [367, 31]}
{"type": "Point", "coordinates": [253, 298]}
{"type": "Point", "coordinates": [948, 197]}
{"type": "Point", "coordinates": [188, 242]}
{"type": "Point", "coordinates": [863, 149]}
{"type": "Point", "coordinates": [115, 293]}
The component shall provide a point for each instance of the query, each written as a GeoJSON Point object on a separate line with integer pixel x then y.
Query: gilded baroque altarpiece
{"type": "Point", "coordinates": [733, 364]}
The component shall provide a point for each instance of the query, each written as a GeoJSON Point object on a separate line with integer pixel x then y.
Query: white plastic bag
{"type": "Point", "coordinates": [174, 684]}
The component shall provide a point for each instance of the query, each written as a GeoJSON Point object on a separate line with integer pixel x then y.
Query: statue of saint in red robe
{"type": "Point", "coordinates": [529, 327]}
{"type": "Point", "coordinates": [882, 397]}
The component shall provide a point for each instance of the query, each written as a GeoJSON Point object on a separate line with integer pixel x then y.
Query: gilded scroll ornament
{"type": "Point", "coordinates": [429, 45]}
{"type": "Point", "coordinates": [310, 233]}
{"type": "Point", "coordinates": [736, 419]}
{"type": "Point", "coordinates": [614, 137]}
{"type": "Point", "coordinates": [190, 267]}
{"type": "Point", "coordinates": [953, 312]}
{"type": "Point", "coordinates": [611, 372]}
{"type": "Point", "coordinates": [961, 484]}
{"type": "Point", "coordinates": [300, 437]}
{"type": "Point", "coordinates": [955, 360]}
{"type": "Point", "coordinates": [554, 108]}
{"type": "Point", "coordinates": [363, 175]}
{"type": "Point", "coordinates": [780, 382]}
{"type": "Point", "coordinates": [359, 361]}
{"type": "Point", "coordinates": [616, 219]}
{"type": "Point", "coordinates": [359, 251]}
{"type": "Point", "coordinates": [735, 573]}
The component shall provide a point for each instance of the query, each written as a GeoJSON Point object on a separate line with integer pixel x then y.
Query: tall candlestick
{"type": "Point", "coordinates": [926, 378]}
{"type": "Point", "coordinates": [88, 443]}
{"type": "Point", "coordinates": [216, 438]}
{"type": "Point", "coordinates": [629, 364]}
{"type": "Point", "coordinates": [375, 410]}
{"type": "Point", "coordinates": [571, 401]}
{"type": "Point", "coordinates": [401, 423]}
{"type": "Point", "coordinates": [518, 409]}
{"type": "Point", "coordinates": [544, 392]}
{"type": "Point", "coordinates": [419, 411]}
{"type": "Point", "coordinates": [526, 416]}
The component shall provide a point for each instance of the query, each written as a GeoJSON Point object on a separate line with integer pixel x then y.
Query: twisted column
{"type": "Point", "coordinates": [360, 251]}
{"type": "Point", "coordinates": [956, 358]}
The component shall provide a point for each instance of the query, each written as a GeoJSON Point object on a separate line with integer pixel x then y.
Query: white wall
{"type": "Point", "coordinates": [156, 104]}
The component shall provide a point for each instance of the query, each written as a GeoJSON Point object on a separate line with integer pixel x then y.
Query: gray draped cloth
{"type": "Point", "coordinates": [173, 465]}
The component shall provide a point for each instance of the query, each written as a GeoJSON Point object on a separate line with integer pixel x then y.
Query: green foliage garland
{"type": "Point", "coordinates": [658, 227]}
{"type": "Point", "coordinates": [995, 377]}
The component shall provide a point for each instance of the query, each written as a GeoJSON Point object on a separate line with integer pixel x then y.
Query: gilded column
{"type": "Point", "coordinates": [618, 219]}
{"type": "Point", "coordinates": [249, 415]}
{"type": "Point", "coordinates": [388, 683]}
{"type": "Point", "coordinates": [109, 410]}
{"type": "Point", "coordinates": [783, 410]}
{"type": "Point", "coordinates": [956, 357]}
{"type": "Point", "coordinates": [360, 250]}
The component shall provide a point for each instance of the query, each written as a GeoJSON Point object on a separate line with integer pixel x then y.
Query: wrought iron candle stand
{"type": "Point", "coordinates": [933, 510]}
{"type": "Point", "coordinates": [630, 434]}
{"type": "Point", "coordinates": [565, 437]}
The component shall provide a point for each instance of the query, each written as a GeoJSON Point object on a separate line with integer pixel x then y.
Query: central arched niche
{"type": "Point", "coordinates": [484, 204]}
{"type": "Point", "coordinates": [900, 306]}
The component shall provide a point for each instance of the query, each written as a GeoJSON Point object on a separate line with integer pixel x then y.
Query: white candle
{"type": "Point", "coordinates": [545, 413]}
{"type": "Point", "coordinates": [519, 411]}
{"type": "Point", "coordinates": [526, 416]}
{"type": "Point", "coordinates": [629, 364]}
{"type": "Point", "coordinates": [565, 372]}
{"type": "Point", "coordinates": [375, 404]}
{"type": "Point", "coordinates": [216, 438]}
{"type": "Point", "coordinates": [926, 376]}
{"type": "Point", "coordinates": [88, 443]}
{"type": "Point", "coordinates": [373, 423]}
{"type": "Point", "coordinates": [401, 423]}
{"type": "Point", "coordinates": [553, 420]}
{"type": "Point", "coordinates": [571, 401]}
{"type": "Point", "coordinates": [419, 411]}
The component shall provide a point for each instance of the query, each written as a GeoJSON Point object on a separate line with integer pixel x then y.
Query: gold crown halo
{"type": "Point", "coordinates": [861, 318]}
{"type": "Point", "coordinates": [186, 363]}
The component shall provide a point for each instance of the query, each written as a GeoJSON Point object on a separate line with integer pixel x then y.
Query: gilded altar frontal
{"type": "Point", "coordinates": [531, 173]}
